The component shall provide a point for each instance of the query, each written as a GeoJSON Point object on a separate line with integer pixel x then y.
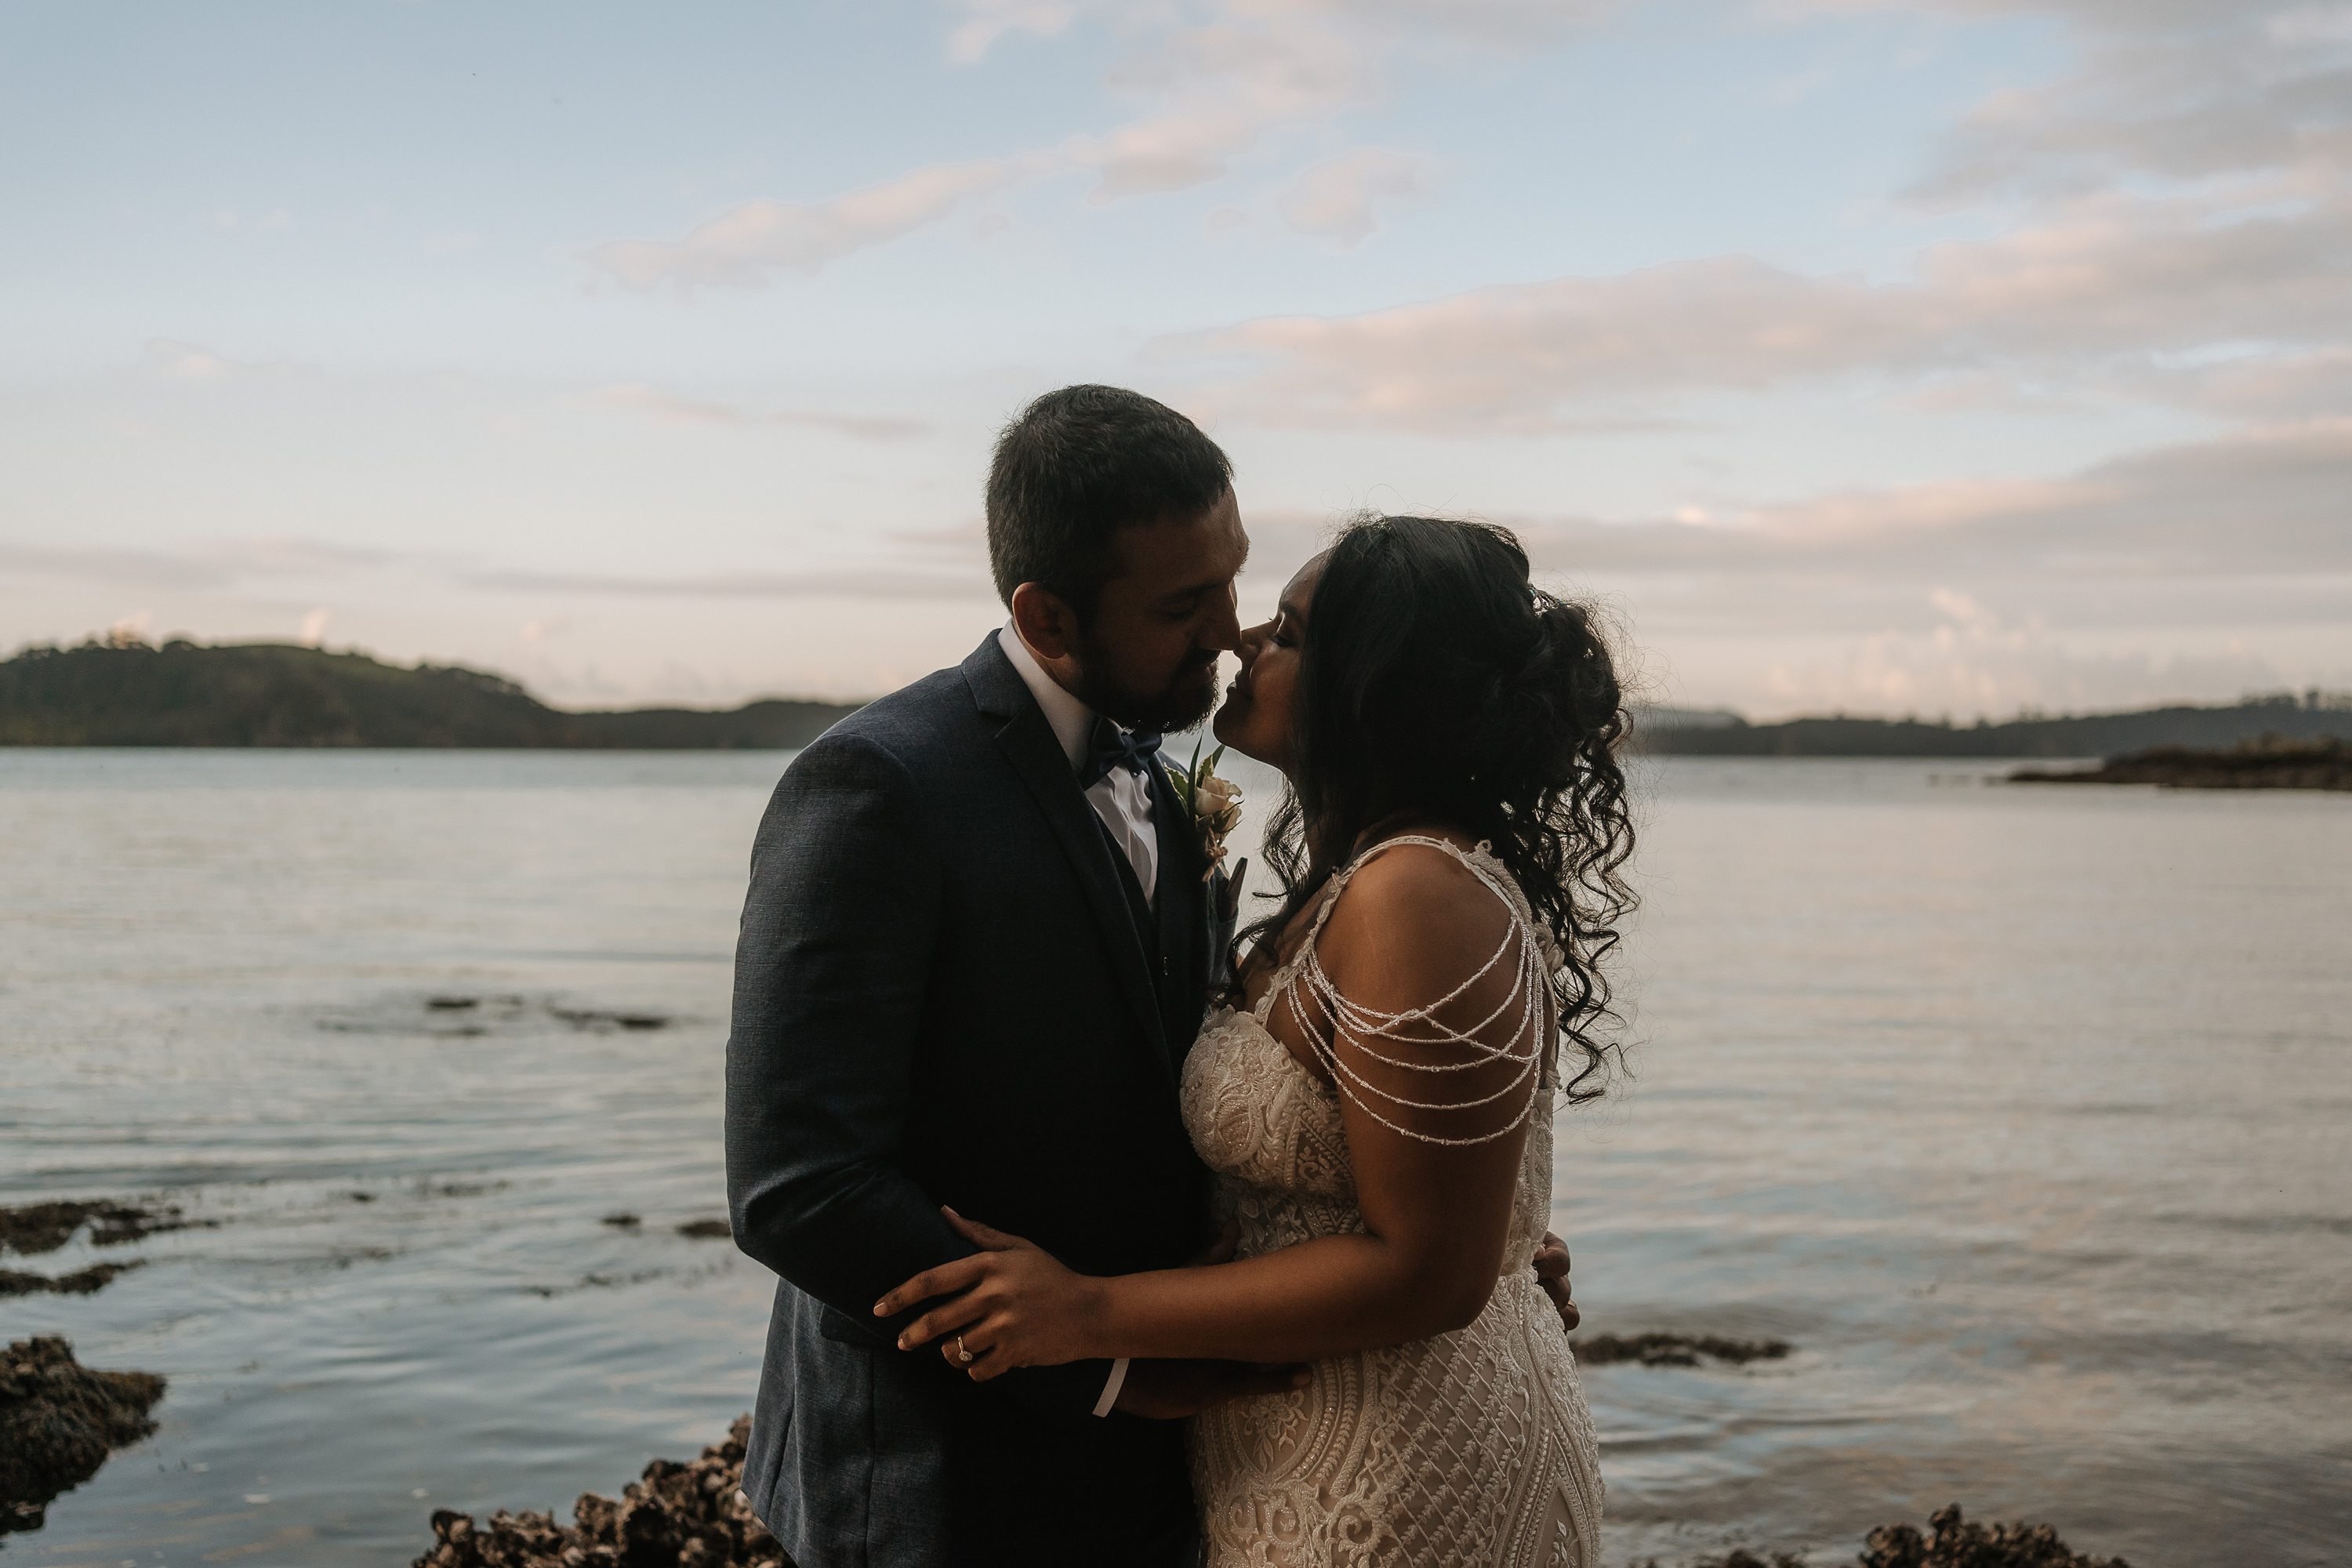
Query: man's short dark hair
{"type": "Point", "coordinates": [1079, 465]}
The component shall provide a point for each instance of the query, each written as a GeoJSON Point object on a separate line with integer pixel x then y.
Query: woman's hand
{"type": "Point", "coordinates": [1011, 1304]}
{"type": "Point", "coordinates": [1551, 1274]}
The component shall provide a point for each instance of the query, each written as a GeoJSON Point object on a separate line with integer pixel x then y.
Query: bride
{"type": "Point", "coordinates": [1377, 1096]}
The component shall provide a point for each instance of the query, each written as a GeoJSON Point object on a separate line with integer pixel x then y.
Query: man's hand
{"type": "Point", "coordinates": [1172, 1390]}
{"type": "Point", "coordinates": [1551, 1273]}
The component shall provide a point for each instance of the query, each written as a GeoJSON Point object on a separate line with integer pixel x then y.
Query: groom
{"type": "Point", "coordinates": [977, 946]}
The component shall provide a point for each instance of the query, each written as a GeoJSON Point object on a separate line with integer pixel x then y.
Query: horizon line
{"type": "Point", "coordinates": [2314, 698]}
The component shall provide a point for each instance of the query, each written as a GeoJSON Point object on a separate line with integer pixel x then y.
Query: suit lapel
{"type": "Point", "coordinates": [1177, 902]}
{"type": "Point", "coordinates": [1179, 844]}
{"type": "Point", "coordinates": [1028, 743]}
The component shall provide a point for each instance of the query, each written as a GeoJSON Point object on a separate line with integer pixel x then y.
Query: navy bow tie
{"type": "Point", "coordinates": [1108, 747]}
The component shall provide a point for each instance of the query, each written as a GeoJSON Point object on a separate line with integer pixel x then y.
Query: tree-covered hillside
{"type": "Point", "coordinates": [124, 693]}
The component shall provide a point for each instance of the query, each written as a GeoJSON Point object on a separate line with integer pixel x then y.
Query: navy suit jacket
{"type": "Point", "coordinates": [948, 991]}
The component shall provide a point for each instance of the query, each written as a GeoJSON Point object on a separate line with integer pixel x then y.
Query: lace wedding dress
{"type": "Point", "coordinates": [1472, 1448]}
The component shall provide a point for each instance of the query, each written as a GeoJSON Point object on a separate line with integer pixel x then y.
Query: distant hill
{"type": "Point", "coordinates": [276, 694]}
{"type": "Point", "coordinates": [1647, 718]}
{"type": "Point", "coordinates": [273, 694]}
{"type": "Point", "coordinates": [2311, 715]}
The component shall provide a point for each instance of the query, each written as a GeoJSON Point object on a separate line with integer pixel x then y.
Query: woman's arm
{"type": "Point", "coordinates": [1409, 929]}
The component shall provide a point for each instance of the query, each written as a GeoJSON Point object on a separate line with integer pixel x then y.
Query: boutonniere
{"type": "Point", "coordinates": [1214, 803]}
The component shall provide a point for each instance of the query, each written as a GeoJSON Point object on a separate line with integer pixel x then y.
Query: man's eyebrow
{"type": "Point", "coordinates": [1192, 590]}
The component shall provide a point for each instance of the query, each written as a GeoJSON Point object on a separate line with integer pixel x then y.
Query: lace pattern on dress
{"type": "Point", "coordinates": [1470, 1447]}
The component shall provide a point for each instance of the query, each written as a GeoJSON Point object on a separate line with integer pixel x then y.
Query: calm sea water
{"type": "Point", "coordinates": [2020, 1112]}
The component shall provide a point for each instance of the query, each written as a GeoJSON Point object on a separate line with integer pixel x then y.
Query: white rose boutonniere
{"type": "Point", "coordinates": [1215, 804]}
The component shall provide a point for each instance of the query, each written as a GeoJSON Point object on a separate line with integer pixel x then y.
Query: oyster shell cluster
{"type": "Point", "coordinates": [690, 1516]}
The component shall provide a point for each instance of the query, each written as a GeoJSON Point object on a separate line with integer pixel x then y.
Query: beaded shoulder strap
{"type": "Point", "coordinates": [1529, 993]}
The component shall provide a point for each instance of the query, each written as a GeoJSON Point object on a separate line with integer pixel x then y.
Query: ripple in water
{"type": "Point", "coordinates": [2015, 1114]}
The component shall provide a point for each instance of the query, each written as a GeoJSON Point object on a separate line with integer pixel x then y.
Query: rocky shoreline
{"type": "Point", "coordinates": [693, 1515]}
{"type": "Point", "coordinates": [59, 1421]}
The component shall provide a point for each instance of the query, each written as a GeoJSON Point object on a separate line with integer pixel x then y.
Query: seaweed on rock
{"type": "Point", "coordinates": [80, 1282]}
{"type": "Point", "coordinates": [1675, 1350]}
{"type": "Point", "coordinates": [59, 1420]}
{"type": "Point", "coordinates": [44, 1227]}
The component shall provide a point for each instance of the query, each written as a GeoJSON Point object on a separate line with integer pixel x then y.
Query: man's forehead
{"type": "Point", "coordinates": [1184, 553]}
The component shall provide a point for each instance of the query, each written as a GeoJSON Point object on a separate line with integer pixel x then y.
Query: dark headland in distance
{"type": "Point", "coordinates": [2269, 762]}
{"type": "Point", "coordinates": [124, 692]}
{"type": "Point", "coordinates": [2280, 716]}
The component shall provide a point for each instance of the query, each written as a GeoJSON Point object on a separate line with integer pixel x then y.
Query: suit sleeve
{"type": "Point", "coordinates": [831, 966]}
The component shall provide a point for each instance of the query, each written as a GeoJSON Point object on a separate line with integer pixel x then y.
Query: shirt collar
{"type": "Point", "coordinates": [1073, 722]}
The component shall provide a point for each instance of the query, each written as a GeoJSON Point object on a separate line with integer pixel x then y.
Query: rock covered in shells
{"type": "Point", "coordinates": [59, 1420]}
{"type": "Point", "coordinates": [674, 1515]}
{"type": "Point", "coordinates": [1951, 1541]}
{"type": "Point", "coordinates": [694, 1516]}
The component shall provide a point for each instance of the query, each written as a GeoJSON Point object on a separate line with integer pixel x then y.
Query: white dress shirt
{"type": "Point", "coordinates": [1120, 798]}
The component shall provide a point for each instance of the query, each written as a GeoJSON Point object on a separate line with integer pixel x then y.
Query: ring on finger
{"type": "Point", "coordinates": [963, 1354]}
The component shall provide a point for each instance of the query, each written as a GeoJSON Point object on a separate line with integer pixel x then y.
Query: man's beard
{"type": "Point", "coordinates": [1177, 707]}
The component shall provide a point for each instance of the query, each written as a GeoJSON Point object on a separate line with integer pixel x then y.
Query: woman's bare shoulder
{"type": "Point", "coordinates": [1412, 916]}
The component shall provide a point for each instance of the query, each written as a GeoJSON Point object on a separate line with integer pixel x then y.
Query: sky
{"type": "Point", "coordinates": [1897, 356]}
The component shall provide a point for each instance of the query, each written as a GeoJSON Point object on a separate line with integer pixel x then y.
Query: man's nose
{"type": "Point", "coordinates": [1224, 631]}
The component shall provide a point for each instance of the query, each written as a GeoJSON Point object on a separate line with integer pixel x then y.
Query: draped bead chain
{"type": "Point", "coordinates": [1314, 1001]}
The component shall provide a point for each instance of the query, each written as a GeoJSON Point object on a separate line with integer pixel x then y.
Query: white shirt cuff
{"type": "Point", "coordinates": [1117, 1380]}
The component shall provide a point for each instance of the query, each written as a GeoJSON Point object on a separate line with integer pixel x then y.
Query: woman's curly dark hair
{"type": "Point", "coordinates": [1438, 685]}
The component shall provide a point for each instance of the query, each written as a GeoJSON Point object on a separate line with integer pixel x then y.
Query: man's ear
{"type": "Point", "coordinates": [1044, 621]}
